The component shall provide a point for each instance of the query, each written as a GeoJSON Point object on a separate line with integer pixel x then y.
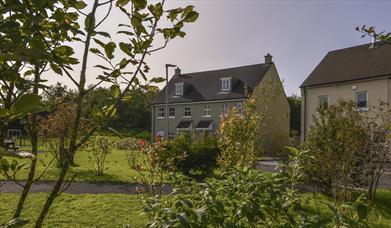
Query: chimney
{"type": "Point", "coordinates": [177, 72]}
{"type": "Point", "coordinates": [268, 58]}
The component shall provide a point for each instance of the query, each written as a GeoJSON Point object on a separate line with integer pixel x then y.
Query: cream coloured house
{"type": "Point", "coordinates": [361, 74]}
{"type": "Point", "coordinates": [196, 102]}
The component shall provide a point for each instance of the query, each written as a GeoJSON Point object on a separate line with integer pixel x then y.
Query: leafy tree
{"type": "Point", "coordinates": [295, 105]}
{"type": "Point", "coordinates": [336, 139]}
{"type": "Point", "coordinates": [45, 26]}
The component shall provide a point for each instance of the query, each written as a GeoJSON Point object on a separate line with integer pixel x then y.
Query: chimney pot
{"type": "Point", "coordinates": [177, 71]}
{"type": "Point", "coordinates": [268, 58]}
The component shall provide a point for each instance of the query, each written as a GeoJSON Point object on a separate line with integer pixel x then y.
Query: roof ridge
{"type": "Point", "coordinates": [230, 68]}
{"type": "Point", "coordinates": [351, 47]}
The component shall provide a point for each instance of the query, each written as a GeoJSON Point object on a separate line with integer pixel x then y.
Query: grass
{"type": "Point", "coordinates": [116, 210]}
{"type": "Point", "coordinates": [117, 168]}
{"type": "Point", "coordinates": [106, 210]}
{"type": "Point", "coordinates": [380, 211]}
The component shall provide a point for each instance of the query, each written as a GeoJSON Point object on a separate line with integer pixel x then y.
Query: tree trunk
{"type": "Point", "coordinates": [73, 142]}
{"type": "Point", "coordinates": [34, 144]}
{"type": "Point", "coordinates": [53, 194]}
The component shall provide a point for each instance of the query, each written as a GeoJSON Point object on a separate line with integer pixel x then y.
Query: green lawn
{"type": "Point", "coordinates": [105, 210]}
{"type": "Point", "coordinates": [117, 170]}
{"type": "Point", "coordinates": [380, 212]}
{"type": "Point", "coordinates": [115, 210]}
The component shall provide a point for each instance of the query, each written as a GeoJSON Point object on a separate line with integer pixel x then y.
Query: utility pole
{"type": "Point", "coordinates": [166, 112]}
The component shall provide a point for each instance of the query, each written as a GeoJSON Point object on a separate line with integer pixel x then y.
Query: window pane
{"type": "Point", "coordinates": [361, 100]}
{"type": "Point", "coordinates": [323, 101]}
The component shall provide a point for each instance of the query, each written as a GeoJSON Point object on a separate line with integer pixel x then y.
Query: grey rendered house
{"type": "Point", "coordinates": [197, 101]}
{"type": "Point", "coordinates": [361, 74]}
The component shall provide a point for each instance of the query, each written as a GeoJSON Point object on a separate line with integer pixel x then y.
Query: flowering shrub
{"type": "Point", "coordinates": [98, 149]}
{"type": "Point", "coordinates": [56, 130]}
{"type": "Point", "coordinates": [238, 135]}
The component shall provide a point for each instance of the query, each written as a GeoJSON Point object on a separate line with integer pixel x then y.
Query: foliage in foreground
{"type": "Point", "coordinates": [248, 198]}
{"type": "Point", "coordinates": [348, 149]}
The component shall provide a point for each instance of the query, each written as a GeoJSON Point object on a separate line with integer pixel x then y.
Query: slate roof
{"type": "Point", "coordinates": [206, 86]}
{"type": "Point", "coordinates": [351, 64]}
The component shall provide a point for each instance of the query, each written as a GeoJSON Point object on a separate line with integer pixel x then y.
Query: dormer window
{"type": "Point", "coordinates": [225, 84]}
{"type": "Point", "coordinates": [179, 89]}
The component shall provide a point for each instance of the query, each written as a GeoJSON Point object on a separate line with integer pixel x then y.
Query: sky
{"type": "Point", "coordinates": [230, 33]}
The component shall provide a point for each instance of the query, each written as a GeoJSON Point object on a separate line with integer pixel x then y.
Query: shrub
{"type": "Point", "coordinates": [191, 154]}
{"type": "Point", "coordinates": [56, 129]}
{"type": "Point", "coordinates": [348, 148]}
{"type": "Point", "coordinates": [239, 136]}
{"type": "Point", "coordinates": [248, 198]}
{"type": "Point", "coordinates": [98, 148]}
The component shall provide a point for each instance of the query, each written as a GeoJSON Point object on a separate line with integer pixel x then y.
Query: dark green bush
{"type": "Point", "coordinates": [193, 154]}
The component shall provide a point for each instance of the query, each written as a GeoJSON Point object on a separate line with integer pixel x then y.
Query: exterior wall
{"type": "Point", "coordinates": [276, 126]}
{"type": "Point", "coordinates": [377, 91]}
{"type": "Point", "coordinates": [274, 107]}
{"type": "Point", "coordinates": [197, 113]}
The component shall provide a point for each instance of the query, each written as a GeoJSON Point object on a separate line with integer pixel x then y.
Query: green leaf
{"type": "Point", "coordinates": [26, 103]}
{"type": "Point", "coordinates": [95, 51]}
{"type": "Point", "coordinates": [126, 48]}
{"type": "Point", "coordinates": [56, 68]}
{"type": "Point", "coordinates": [100, 43]}
{"type": "Point", "coordinates": [105, 34]}
{"type": "Point", "coordinates": [4, 165]}
{"type": "Point", "coordinates": [63, 50]}
{"type": "Point", "coordinates": [140, 4]}
{"type": "Point", "coordinates": [80, 5]}
{"type": "Point", "coordinates": [157, 80]}
{"type": "Point", "coordinates": [362, 211]}
{"type": "Point", "coordinates": [191, 17]}
{"type": "Point", "coordinates": [109, 49]}
{"type": "Point", "coordinates": [115, 91]}
{"type": "Point", "coordinates": [121, 2]}
{"type": "Point", "coordinates": [102, 67]}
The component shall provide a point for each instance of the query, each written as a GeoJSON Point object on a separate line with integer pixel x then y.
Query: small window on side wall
{"type": "Point", "coordinates": [362, 100]}
{"type": "Point", "coordinates": [323, 101]}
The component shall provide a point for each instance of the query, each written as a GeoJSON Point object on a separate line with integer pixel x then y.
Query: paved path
{"type": "Point", "coordinates": [82, 188]}
{"type": "Point", "coordinates": [133, 188]}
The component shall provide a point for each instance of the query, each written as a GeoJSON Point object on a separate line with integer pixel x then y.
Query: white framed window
{"type": "Point", "coordinates": [323, 101]}
{"type": "Point", "coordinates": [171, 135]}
{"type": "Point", "coordinates": [171, 112]}
{"type": "Point", "coordinates": [362, 100]}
{"type": "Point", "coordinates": [187, 112]}
{"type": "Point", "coordinates": [179, 89]}
{"type": "Point", "coordinates": [160, 113]}
{"type": "Point", "coordinates": [206, 111]}
{"type": "Point", "coordinates": [239, 105]}
{"type": "Point", "coordinates": [224, 109]}
{"type": "Point", "coordinates": [225, 84]}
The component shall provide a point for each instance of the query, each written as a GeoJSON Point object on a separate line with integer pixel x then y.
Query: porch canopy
{"type": "Point", "coordinates": [184, 125]}
{"type": "Point", "coordinates": [205, 125]}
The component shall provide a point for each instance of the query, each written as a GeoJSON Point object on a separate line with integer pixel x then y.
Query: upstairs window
{"type": "Point", "coordinates": [187, 112]}
{"type": "Point", "coordinates": [225, 84]}
{"type": "Point", "coordinates": [161, 113]}
{"type": "Point", "coordinates": [207, 111]}
{"type": "Point", "coordinates": [323, 101]}
{"type": "Point", "coordinates": [362, 100]}
{"type": "Point", "coordinates": [171, 112]}
{"type": "Point", "coordinates": [179, 89]}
